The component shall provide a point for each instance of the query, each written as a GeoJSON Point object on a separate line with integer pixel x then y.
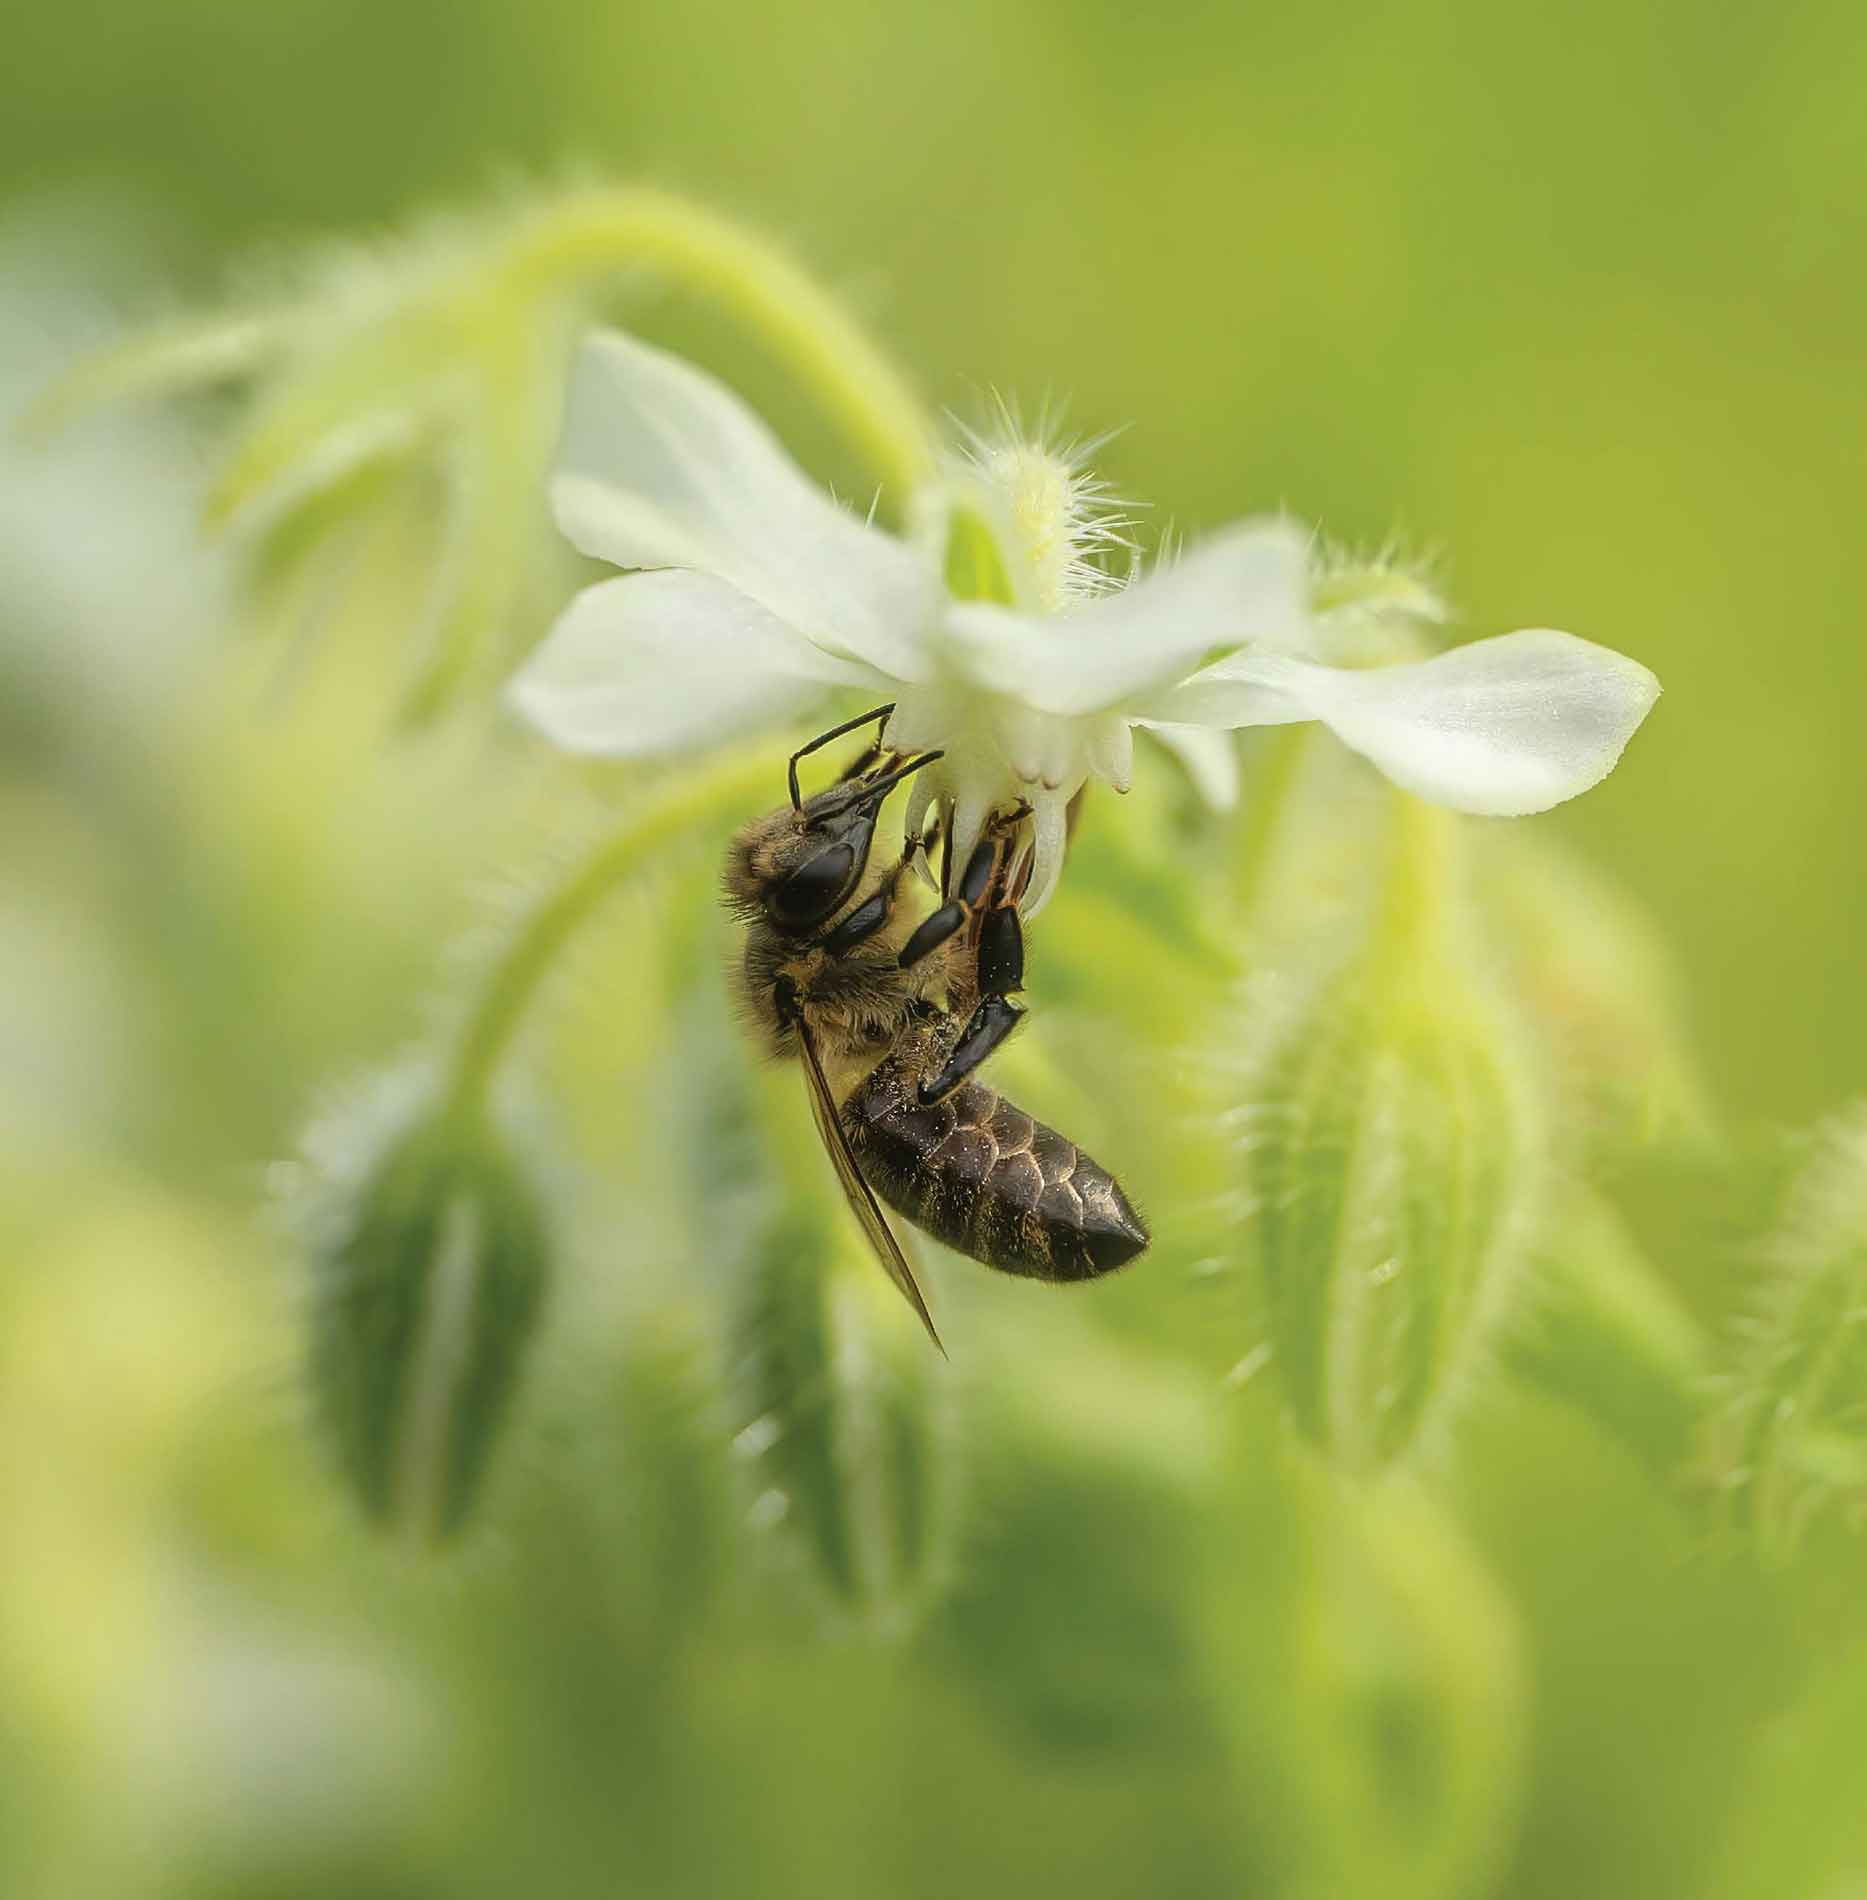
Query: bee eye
{"type": "Point", "coordinates": [813, 890]}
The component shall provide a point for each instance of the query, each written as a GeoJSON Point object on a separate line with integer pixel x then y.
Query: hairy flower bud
{"type": "Point", "coordinates": [1374, 1675]}
{"type": "Point", "coordinates": [1601, 991]}
{"type": "Point", "coordinates": [418, 383]}
{"type": "Point", "coordinates": [846, 1428]}
{"type": "Point", "coordinates": [1791, 1441]}
{"type": "Point", "coordinates": [429, 1257]}
{"type": "Point", "coordinates": [1390, 1161]}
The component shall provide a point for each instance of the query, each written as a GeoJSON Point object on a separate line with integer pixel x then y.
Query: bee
{"type": "Point", "coordinates": [891, 1016]}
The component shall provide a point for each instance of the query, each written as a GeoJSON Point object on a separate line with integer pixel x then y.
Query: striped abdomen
{"type": "Point", "coordinates": [988, 1180]}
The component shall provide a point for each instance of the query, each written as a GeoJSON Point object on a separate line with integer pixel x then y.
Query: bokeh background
{"type": "Point", "coordinates": [1575, 294]}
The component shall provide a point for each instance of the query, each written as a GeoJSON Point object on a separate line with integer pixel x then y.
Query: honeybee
{"type": "Point", "coordinates": [891, 1016]}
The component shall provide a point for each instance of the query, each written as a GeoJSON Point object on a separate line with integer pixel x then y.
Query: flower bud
{"type": "Point", "coordinates": [1372, 1680]}
{"type": "Point", "coordinates": [409, 394]}
{"type": "Point", "coordinates": [1369, 610]}
{"type": "Point", "coordinates": [845, 1422]}
{"type": "Point", "coordinates": [429, 1255]}
{"type": "Point", "coordinates": [1602, 992]}
{"type": "Point", "coordinates": [405, 390]}
{"type": "Point", "coordinates": [1390, 1162]}
{"type": "Point", "coordinates": [1790, 1444]}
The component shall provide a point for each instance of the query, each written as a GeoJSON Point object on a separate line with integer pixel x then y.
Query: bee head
{"type": "Point", "coordinates": [797, 866]}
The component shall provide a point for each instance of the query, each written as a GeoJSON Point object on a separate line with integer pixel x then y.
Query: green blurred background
{"type": "Point", "coordinates": [1577, 294]}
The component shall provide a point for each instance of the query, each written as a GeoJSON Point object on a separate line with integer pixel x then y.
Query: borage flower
{"type": "Point", "coordinates": [994, 626]}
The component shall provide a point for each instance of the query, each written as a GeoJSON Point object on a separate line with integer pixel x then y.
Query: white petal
{"type": "Point", "coordinates": [1050, 834]}
{"type": "Point", "coordinates": [661, 466]}
{"type": "Point", "coordinates": [921, 795]}
{"type": "Point", "coordinates": [924, 717]}
{"type": "Point", "coordinates": [654, 662]}
{"type": "Point", "coordinates": [975, 792]}
{"type": "Point", "coordinates": [1024, 737]}
{"type": "Point", "coordinates": [1226, 695]}
{"type": "Point", "coordinates": [1061, 756]}
{"type": "Point", "coordinates": [1500, 727]}
{"type": "Point", "coordinates": [1108, 751]}
{"type": "Point", "coordinates": [1249, 583]}
{"type": "Point", "coordinates": [1210, 758]}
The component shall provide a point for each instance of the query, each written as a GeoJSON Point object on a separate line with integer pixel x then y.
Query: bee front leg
{"type": "Point", "coordinates": [995, 970]}
{"type": "Point", "coordinates": [979, 899]}
{"type": "Point", "coordinates": [931, 933]}
{"type": "Point", "coordinates": [873, 913]}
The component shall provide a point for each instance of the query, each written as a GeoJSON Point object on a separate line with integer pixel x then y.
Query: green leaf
{"type": "Point", "coordinates": [1790, 1440]}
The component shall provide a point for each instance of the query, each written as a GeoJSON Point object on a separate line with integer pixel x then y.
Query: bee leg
{"type": "Point", "coordinates": [997, 971]}
{"type": "Point", "coordinates": [989, 888]}
{"type": "Point", "coordinates": [873, 912]}
{"type": "Point", "coordinates": [1001, 952]}
{"type": "Point", "coordinates": [978, 875]}
{"type": "Point", "coordinates": [980, 901]}
{"type": "Point", "coordinates": [932, 932]}
{"type": "Point", "coordinates": [987, 869]}
{"type": "Point", "coordinates": [995, 967]}
{"type": "Point", "coordinates": [861, 924]}
{"type": "Point", "coordinates": [991, 1023]}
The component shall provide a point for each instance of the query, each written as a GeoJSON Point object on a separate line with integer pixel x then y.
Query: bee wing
{"type": "Point", "coordinates": [861, 1197]}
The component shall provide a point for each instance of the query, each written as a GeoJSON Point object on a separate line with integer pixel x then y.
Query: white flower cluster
{"type": "Point", "coordinates": [995, 626]}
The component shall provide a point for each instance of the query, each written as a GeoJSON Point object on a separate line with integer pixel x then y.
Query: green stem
{"type": "Point", "coordinates": [1420, 881]}
{"type": "Point", "coordinates": [588, 235]}
{"type": "Point", "coordinates": [204, 350]}
{"type": "Point", "coordinates": [502, 465]}
{"type": "Point", "coordinates": [1605, 1333]}
{"type": "Point", "coordinates": [1266, 793]}
{"type": "Point", "coordinates": [669, 814]}
{"type": "Point", "coordinates": [601, 231]}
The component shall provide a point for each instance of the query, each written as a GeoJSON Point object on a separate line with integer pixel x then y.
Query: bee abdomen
{"type": "Point", "coordinates": [978, 1173]}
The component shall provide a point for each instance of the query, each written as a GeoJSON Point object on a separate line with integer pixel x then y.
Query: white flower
{"type": "Point", "coordinates": [996, 637]}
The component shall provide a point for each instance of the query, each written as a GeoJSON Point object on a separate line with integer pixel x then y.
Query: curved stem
{"type": "Point", "coordinates": [1609, 1336]}
{"type": "Point", "coordinates": [590, 234]}
{"type": "Point", "coordinates": [666, 816]}
{"type": "Point", "coordinates": [1421, 877]}
{"type": "Point", "coordinates": [600, 231]}
{"type": "Point", "coordinates": [1267, 792]}
{"type": "Point", "coordinates": [205, 350]}
{"type": "Point", "coordinates": [501, 468]}
{"type": "Point", "coordinates": [1419, 945]}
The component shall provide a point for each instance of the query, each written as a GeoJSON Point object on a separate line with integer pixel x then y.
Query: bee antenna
{"type": "Point", "coordinates": [877, 789]}
{"type": "Point", "coordinates": [823, 738]}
